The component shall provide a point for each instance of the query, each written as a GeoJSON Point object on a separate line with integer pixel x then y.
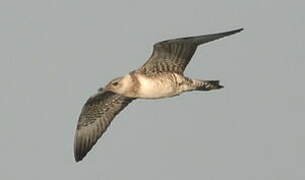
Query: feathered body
{"type": "Point", "coordinates": [162, 85]}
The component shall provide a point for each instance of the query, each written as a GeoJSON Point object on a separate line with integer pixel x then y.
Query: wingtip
{"type": "Point", "coordinates": [79, 152]}
{"type": "Point", "coordinates": [240, 29]}
{"type": "Point", "coordinates": [228, 33]}
{"type": "Point", "coordinates": [236, 31]}
{"type": "Point", "coordinates": [77, 160]}
{"type": "Point", "coordinates": [79, 157]}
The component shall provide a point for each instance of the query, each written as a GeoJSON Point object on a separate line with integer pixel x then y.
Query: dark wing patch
{"type": "Point", "coordinates": [96, 116]}
{"type": "Point", "coordinates": [175, 54]}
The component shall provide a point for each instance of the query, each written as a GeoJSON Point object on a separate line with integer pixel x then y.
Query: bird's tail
{"type": "Point", "coordinates": [208, 85]}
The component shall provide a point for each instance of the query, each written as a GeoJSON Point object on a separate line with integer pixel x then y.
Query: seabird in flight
{"type": "Point", "coordinates": [160, 77]}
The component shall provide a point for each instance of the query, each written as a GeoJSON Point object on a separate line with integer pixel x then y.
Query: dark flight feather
{"type": "Point", "coordinates": [95, 117]}
{"type": "Point", "coordinates": [175, 54]}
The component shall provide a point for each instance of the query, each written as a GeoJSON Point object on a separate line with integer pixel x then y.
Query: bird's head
{"type": "Point", "coordinates": [119, 85]}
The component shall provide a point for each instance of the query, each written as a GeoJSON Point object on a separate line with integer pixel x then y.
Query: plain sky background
{"type": "Point", "coordinates": [55, 54]}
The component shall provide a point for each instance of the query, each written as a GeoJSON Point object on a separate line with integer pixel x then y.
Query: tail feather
{"type": "Point", "coordinates": [209, 85]}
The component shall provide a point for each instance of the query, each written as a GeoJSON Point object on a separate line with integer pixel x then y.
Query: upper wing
{"type": "Point", "coordinates": [174, 55]}
{"type": "Point", "coordinates": [94, 119]}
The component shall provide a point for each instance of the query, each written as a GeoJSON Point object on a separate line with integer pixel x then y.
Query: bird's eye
{"type": "Point", "coordinates": [115, 83]}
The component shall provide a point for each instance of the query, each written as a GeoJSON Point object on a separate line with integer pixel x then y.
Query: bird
{"type": "Point", "coordinates": [161, 76]}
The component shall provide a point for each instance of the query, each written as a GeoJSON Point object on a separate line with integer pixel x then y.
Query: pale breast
{"type": "Point", "coordinates": [157, 87]}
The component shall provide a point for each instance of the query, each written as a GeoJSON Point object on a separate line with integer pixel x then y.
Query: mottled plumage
{"type": "Point", "coordinates": [175, 54]}
{"type": "Point", "coordinates": [94, 119]}
{"type": "Point", "coordinates": [160, 77]}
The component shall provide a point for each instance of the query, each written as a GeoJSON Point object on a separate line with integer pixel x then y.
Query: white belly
{"type": "Point", "coordinates": [154, 88]}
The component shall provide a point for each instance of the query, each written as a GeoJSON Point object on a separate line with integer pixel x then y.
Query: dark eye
{"type": "Point", "coordinates": [115, 83]}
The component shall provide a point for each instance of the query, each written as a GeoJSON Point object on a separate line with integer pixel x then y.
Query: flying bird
{"type": "Point", "coordinates": [160, 77]}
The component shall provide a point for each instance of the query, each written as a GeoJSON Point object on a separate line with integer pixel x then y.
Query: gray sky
{"type": "Point", "coordinates": [55, 54]}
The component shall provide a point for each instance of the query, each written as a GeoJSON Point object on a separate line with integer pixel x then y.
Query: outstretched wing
{"type": "Point", "coordinates": [174, 55]}
{"type": "Point", "coordinates": [94, 119]}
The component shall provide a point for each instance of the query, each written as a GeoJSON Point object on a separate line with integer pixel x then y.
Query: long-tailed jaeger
{"type": "Point", "coordinates": [160, 77]}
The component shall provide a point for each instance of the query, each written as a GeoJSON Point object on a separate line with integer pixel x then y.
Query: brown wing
{"type": "Point", "coordinates": [174, 55]}
{"type": "Point", "coordinates": [94, 119]}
